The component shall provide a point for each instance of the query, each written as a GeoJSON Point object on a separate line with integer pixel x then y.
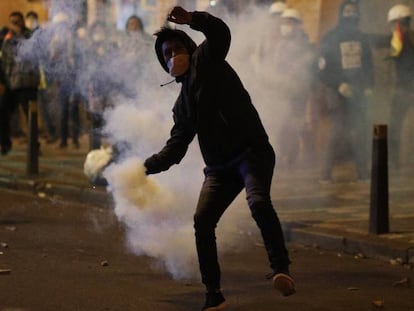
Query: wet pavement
{"type": "Point", "coordinates": [70, 256]}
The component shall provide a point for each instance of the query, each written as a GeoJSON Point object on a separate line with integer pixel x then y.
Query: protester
{"type": "Point", "coordinates": [22, 73]}
{"type": "Point", "coordinates": [37, 46]}
{"type": "Point", "coordinates": [294, 66]}
{"type": "Point", "coordinates": [214, 105]}
{"type": "Point", "coordinates": [402, 53]}
{"type": "Point", "coordinates": [64, 63]}
{"type": "Point", "coordinates": [5, 140]}
{"type": "Point", "coordinates": [346, 70]}
{"type": "Point", "coordinates": [275, 13]}
{"type": "Point", "coordinates": [101, 87]}
{"type": "Point", "coordinates": [269, 41]}
{"type": "Point", "coordinates": [136, 42]}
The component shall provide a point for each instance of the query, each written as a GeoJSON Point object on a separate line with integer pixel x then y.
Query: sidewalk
{"type": "Point", "coordinates": [60, 173]}
{"type": "Point", "coordinates": [330, 216]}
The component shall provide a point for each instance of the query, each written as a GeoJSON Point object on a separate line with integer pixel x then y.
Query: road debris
{"type": "Point", "coordinates": [5, 271]}
{"type": "Point", "coordinates": [104, 263]}
{"type": "Point", "coordinates": [378, 303]}
{"type": "Point", "coordinates": [360, 256]}
{"type": "Point", "coordinates": [11, 228]}
{"type": "Point", "coordinates": [353, 288]}
{"type": "Point", "coordinates": [405, 282]}
{"type": "Point", "coordinates": [396, 261]}
{"type": "Point", "coordinates": [4, 245]}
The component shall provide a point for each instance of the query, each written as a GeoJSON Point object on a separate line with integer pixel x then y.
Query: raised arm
{"type": "Point", "coordinates": [217, 33]}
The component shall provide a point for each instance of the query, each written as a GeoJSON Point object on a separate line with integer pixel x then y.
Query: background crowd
{"type": "Point", "coordinates": [62, 66]}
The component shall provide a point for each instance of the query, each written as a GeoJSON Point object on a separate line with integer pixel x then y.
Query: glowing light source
{"type": "Point", "coordinates": [213, 2]}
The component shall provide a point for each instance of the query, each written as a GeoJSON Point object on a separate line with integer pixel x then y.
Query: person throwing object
{"type": "Point", "coordinates": [214, 105]}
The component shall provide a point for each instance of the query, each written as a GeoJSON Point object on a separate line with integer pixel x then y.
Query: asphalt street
{"type": "Point", "coordinates": [60, 255]}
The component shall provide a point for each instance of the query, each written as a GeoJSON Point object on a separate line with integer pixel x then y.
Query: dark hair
{"type": "Point", "coordinates": [17, 13]}
{"type": "Point", "coordinates": [32, 14]}
{"type": "Point", "coordinates": [355, 3]}
{"type": "Point", "coordinates": [139, 20]}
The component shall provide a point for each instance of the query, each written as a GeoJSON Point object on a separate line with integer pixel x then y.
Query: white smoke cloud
{"type": "Point", "coordinates": [155, 221]}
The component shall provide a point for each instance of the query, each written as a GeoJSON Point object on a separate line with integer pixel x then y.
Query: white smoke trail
{"type": "Point", "coordinates": [155, 223]}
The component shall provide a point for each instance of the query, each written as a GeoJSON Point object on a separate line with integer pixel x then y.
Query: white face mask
{"type": "Point", "coordinates": [286, 30]}
{"type": "Point", "coordinates": [31, 23]}
{"type": "Point", "coordinates": [178, 65]}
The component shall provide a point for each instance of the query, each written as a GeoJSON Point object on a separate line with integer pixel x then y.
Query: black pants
{"type": "Point", "coordinates": [348, 129]}
{"type": "Point", "coordinates": [69, 105]}
{"type": "Point", "coordinates": [252, 170]}
{"type": "Point", "coordinates": [5, 139]}
{"type": "Point", "coordinates": [401, 104]}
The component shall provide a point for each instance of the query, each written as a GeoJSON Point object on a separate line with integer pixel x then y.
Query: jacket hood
{"type": "Point", "coordinates": [342, 6]}
{"type": "Point", "coordinates": [172, 34]}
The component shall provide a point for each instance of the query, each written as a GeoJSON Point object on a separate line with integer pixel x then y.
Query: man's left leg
{"type": "Point", "coordinates": [257, 173]}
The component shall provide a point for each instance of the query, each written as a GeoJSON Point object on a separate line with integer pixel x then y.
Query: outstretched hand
{"type": "Point", "coordinates": [178, 15]}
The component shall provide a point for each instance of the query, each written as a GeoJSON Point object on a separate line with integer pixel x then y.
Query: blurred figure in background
{"type": "Point", "coordinates": [63, 66]}
{"type": "Point", "coordinates": [275, 11]}
{"type": "Point", "coordinates": [135, 35]}
{"type": "Point", "coordinates": [5, 141]}
{"type": "Point", "coordinates": [268, 44]}
{"type": "Point", "coordinates": [136, 45]}
{"type": "Point", "coordinates": [346, 71]}
{"type": "Point", "coordinates": [101, 52]}
{"type": "Point", "coordinates": [402, 53]}
{"type": "Point", "coordinates": [293, 63]}
{"type": "Point", "coordinates": [38, 47]}
{"type": "Point", "coordinates": [22, 73]}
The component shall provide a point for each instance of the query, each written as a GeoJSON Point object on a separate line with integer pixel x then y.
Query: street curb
{"type": "Point", "coordinates": [359, 245]}
{"type": "Point", "coordinates": [352, 243]}
{"type": "Point", "coordinates": [95, 195]}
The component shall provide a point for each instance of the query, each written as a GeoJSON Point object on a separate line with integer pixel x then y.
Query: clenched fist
{"type": "Point", "coordinates": [178, 15]}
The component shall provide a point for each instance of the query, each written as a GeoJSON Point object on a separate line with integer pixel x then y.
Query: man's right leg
{"type": "Point", "coordinates": [217, 192]}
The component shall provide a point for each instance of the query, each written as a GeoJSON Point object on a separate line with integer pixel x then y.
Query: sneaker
{"type": "Point", "coordinates": [214, 301]}
{"type": "Point", "coordinates": [284, 284]}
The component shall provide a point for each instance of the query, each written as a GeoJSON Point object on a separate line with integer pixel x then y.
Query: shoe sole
{"type": "Point", "coordinates": [284, 284]}
{"type": "Point", "coordinates": [219, 307]}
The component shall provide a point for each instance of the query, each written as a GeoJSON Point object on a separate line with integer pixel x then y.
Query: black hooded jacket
{"type": "Point", "coordinates": [345, 55]}
{"type": "Point", "coordinates": [212, 103]}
